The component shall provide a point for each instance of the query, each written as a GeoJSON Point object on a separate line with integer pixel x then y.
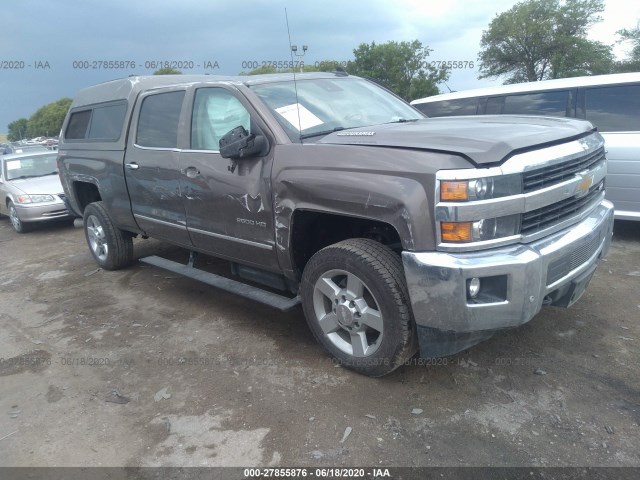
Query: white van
{"type": "Point", "coordinates": [610, 102]}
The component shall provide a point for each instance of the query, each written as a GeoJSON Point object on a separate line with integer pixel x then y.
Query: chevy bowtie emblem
{"type": "Point", "coordinates": [586, 180]}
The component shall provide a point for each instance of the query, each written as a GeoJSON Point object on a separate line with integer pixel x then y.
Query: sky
{"type": "Point", "coordinates": [52, 49]}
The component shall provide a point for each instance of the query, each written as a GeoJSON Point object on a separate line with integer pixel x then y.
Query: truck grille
{"type": "Point", "coordinates": [547, 176]}
{"type": "Point", "coordinates": [552, 214]}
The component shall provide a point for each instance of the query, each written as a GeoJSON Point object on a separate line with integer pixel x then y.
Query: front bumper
{"type": "Point", "coordinates": [37, 212]}
{"type": "Point", "coordinates": [520, 278]}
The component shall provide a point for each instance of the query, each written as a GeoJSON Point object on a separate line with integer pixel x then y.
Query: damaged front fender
{"type": "Point", "coordinates": [384, 186]}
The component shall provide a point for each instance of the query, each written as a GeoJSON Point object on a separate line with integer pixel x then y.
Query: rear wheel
{"type": "Point", "coordinates": [111, 247]}
{"type": "Point", "coordinates": [356, 303]}
{"type": "Point", "coordinates": [18, 225]}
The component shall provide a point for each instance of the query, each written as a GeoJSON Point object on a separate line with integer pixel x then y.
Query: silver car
{"type": "Point", "coordinates": [30, 189]}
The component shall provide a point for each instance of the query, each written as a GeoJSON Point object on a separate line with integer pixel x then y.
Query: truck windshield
{"type": "Point", "coordinates": [325, 105]}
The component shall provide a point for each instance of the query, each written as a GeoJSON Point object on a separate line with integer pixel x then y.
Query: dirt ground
{"type": "Point", "coordinates": [142, 368]}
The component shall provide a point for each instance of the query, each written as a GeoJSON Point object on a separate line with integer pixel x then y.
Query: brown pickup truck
{"type": "Point", "coordinates": [394, 231]}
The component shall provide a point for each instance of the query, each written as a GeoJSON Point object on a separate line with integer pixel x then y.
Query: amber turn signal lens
{"type": "Point", "coordinates": [455, 231]}
{"type": "Point", "coordinates": [450, 190]}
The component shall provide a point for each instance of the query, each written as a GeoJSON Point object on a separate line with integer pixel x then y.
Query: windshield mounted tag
{"type": "Point", "coordinates": [306, 119]}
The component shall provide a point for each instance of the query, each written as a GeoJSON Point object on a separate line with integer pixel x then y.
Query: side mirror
{"type": "Point", "coordinates": [238, 143]}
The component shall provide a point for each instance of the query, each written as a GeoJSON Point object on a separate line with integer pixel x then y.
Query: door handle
{"type": "Point", "coordinates": [191, 172]}
{"type": "Point", "coordinates": [132, 166]}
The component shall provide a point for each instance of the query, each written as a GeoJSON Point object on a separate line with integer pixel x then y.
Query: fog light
{"type": "Point", "coordinates": [474, 287]}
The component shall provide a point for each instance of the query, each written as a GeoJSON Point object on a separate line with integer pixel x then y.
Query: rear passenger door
{"type": "Point", "coordinates": [151, 166]}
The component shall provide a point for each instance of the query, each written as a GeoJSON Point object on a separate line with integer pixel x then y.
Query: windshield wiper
{"type": "Point", "coordinates": [324, 132]}
{"type": "Point", "coordinates": [24, 177]}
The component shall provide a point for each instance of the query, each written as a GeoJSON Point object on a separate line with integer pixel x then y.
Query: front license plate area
{"type": "Point", "coordinates": [572, 292]}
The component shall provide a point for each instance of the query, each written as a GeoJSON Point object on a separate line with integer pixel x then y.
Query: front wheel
{"type": "Point", "coordinates": [356, 303]}
{"type": "Point", "coordinates": [111, 247]}
{"type": "Point", "coordinates": [18, 225]}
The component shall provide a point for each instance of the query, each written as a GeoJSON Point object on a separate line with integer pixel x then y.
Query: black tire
{"type": "Point", "coordinates": [111, 247]}
{"type": "Point", "coordinates": [348, 325]}
{"type": "Point", "coordinates": [17, 224]}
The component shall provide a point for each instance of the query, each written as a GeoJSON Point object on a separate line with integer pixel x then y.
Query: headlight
{"type": "Point", "coordinates": [455, 193]}
{"type": "Point", "coordinates": [481, 188]}
{"type": "Point", "coordinates": [34, 198]}
{"type": "Point", "coordinates": [484, 188]}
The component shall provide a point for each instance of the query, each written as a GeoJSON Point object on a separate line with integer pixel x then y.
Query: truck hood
{"type": "Point", "coordinates": [485, 139]}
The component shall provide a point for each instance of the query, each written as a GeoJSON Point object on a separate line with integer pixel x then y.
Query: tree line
{"type": "Point", "coordinates": [534, 40]}
{"type": "Point", "coordinates": [45, 122]}
{"type": "Point", "coordinates": [546, 39]}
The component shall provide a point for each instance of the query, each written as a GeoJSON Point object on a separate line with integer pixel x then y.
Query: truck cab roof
{"type": "Point", "coordinates": [128, 88]}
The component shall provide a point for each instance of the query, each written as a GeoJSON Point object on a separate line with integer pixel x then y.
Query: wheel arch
{"type": "Point", "coordinates": [84, 193]}
{"type": "Point", "coordinates": [313, 230]}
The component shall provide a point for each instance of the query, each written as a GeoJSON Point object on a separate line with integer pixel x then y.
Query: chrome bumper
{"type": "Point", "coordinates": [520, 278]}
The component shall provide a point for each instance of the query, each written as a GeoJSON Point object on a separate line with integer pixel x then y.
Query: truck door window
{"type": "Point", "coordinates": [215, 112]}
{"type": "Point", "coordinates": [449, 108]}
{"type": "Point", "coordinates": [494, 106]}
{"type": "Point", "coordinates": [614, 109]}
{"type": "Point", "coordinates": [158, 120]}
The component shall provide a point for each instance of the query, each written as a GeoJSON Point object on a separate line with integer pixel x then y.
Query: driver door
{"type": "Point", "coordinates": [227, 203]}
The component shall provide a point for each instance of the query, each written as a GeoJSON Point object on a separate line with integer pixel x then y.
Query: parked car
{"type": "Point", "coordinates": [5, 149]}
{"type": "Point", "coordinates": [610, 102]}
{"type": "Point", "coordinates": [30, 148]}
{"type": "Point", "coordinates": [30, 189]}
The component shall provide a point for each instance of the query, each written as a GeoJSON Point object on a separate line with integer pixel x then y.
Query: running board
{"type": "Point", "coordinates": [257, 294]}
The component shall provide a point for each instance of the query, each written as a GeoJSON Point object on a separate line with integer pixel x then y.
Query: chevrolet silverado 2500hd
{"type": "Point", "coordinates": [394, 231]}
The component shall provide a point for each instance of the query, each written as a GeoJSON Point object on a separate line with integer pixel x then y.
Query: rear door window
{"type": "Point", "coordinates": [614, 109]}
{"type": "Point", "coordinates": [158, 120]}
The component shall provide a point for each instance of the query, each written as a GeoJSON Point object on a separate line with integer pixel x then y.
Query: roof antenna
{"type": "Point", "coordinates": [445, 84]}
{"type": "Point", "coordinates": [295, 85]}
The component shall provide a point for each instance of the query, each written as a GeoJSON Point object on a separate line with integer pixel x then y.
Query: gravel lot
{"type": "Point", "coordinates": [142, 368]}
